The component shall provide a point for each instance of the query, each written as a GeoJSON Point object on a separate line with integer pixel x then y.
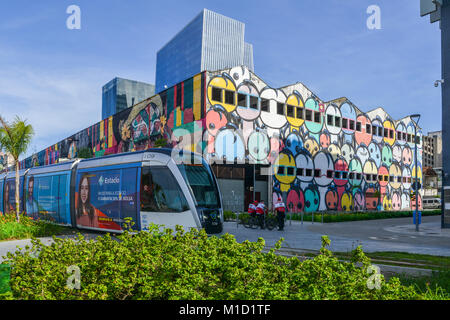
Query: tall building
{"type": "Point", "coordinates": [432, 154]}
{"type": "Point", "coordinates": [120, 94]}
{"type": "Point", "coordinates": [210, 41]}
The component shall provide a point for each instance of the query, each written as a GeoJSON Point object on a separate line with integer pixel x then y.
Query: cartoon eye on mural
{"type": "Point", "coordinates": [358, 199]}
{"type": "Point", "coordinates": [312, 199]}
{"type": "Point", "coordinates": [363, 133]}
{"type": "Point", "coordinates": [295, 200]}
{"type": "Point", "coordinates": [294, 143]}
{"type": "Point", "coordinates": [335, 151]}
{"type": "Point", "coordinates": [325, 139]}
{"type": "Point", "coordinates": [222, 91]}
{"type": "Point", "coordinates": [389, 132]}
{"type": "Point", "coordinates": [276, 145]}
{"type": "Point", "coordinates": [387, 203]}
{"type": "Point", "coordinates": [332, 199]}
{"type": "Point", "coordinates": [397, 153]}
{"type": "Point", "coordinates": [272, 110]}
{"type": "Point", "coordinates": [347, 201]}
{"type": "Point", "coordinates": [347, 152]}
{"type": "Point", "coordinates": [372, 198]}
{"type": "Point", "coordinates": [333, 119]}
{"type": "Point", "coordinates": [348, 121]}
{"type": "Point", "coordinates": [285, 170]}
{"type": "Point", "coordinates": [396, 201]}
{"type": "Point", "coordinates": [407, 156]}
{"type": "Point", "coordinates": [312, 146]}
{"type": "Point", "coordinates": [258, 146]}
{"type": "Point", "coordinates": [386, 155]}
{"type": "Point", "coordinates": [294, 111]}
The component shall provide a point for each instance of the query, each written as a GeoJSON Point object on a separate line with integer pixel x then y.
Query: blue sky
{"type": "Point", "coordinates": [52, 76]}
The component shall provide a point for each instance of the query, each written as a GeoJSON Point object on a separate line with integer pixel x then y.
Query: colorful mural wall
{"type": "Point", "coordinates": [322, 155]}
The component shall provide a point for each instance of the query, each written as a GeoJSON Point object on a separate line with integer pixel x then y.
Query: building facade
{"type": "Point", "coordinates": [210, 41]}
{"type": "Point", "coordinates": [120, 94]}
{"type": "Point", "coordinates": [268, 142]}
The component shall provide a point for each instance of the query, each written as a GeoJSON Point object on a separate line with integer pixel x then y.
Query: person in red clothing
{"type": "Point", "coordinates": [260, 211]}
{"type": "Point", "coordinates": [280, 208]}
{"type": "Point", "coordinates": [252, 208]}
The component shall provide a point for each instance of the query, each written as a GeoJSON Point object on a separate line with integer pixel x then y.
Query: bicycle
{"type": "Point", "coordinates": [252, 222]}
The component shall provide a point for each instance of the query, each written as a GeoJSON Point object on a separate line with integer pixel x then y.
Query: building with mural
{"type": "Point", "coordinates": [266, 142]}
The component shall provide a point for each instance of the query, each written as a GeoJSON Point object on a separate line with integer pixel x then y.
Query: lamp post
{"type": "Point", "coordinates": [416, 185]}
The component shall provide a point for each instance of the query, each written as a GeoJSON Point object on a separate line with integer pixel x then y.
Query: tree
{"type": "Point", "coordinates": [15, 139]}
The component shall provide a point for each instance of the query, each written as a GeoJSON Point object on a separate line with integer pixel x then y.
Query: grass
{"type": "Point", "coordinates": [4, 278]}
{"type": "Point", "coordinates": [26, 228]}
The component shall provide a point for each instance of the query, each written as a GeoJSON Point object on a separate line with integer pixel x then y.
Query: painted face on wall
{"type": "Point", "coordinates": [410, 130]}
{"type": "Point", "coordinates": [229, 145]}
{"type": "Point", "coordinates": [389, 126]}
{"type": "Point", "coordinates": [312, 106]}
{"type": "Point", "coordinates": [347, 152]}
{"type": "Point", "coordinates": [377, 122]}
{"type": "Point", "coordinates": [386, 155]}
{"type": "Point", "coordinates": [396, 201]}
{"type": "Point", "coordinates": [285, 170]}
{"type": "Point", "coordinates": [312, 199]}
{"type": "Point", "coordinates": [294, 143]}
{"type": "Point", "coordinates": [276, 145]}
{"type": "Point", "coordinates": [355, 168]}
{"type": "Point", "coordinates": [349, 113]}
{"type": "Point", "coordinates": [334, 151]}
{"type": "Point", "coordinates": [387, 203]}
{"type": "Point", "coordinates": [294, 110]}
{"type": "Point", "coordinates": [248, 107]}
{"type": "Point", "coordinates": [216, 119]}
{"type": "Point", "coordinates": [341, 172]}
{"type": "Point", "coordinates": [312, 146]}
{"type": "Point", "coordinates": [407, 155]}
{"type": "Point", "coordinates": [396, 173]}
{"type": "Point", "coordinates": [239, 74]}
{"type": "Point", "coordinates": [325, 140]}
{"type": "Point", "coordinates": [273, 118]}
{"type": "Point", "coordinates": [413, 203]}
{"type": "Point", "coordinates": [362, 152]}
{"type": "Point", "coordinates": [364, 136]}
{"type": "Point", "coordinates": [258, 145]}
{"type": "Point", "coordinates": [397, 153]}
{"type": "Point", "coordinates": [372, 199]}
{"type": "Point", "coordinates": [370, 171]}
{"type": "Point", "coordinates": [402, 129]}
{"type": "Point", "coordinates": [295, 200]}
{"type": "Point", "coordinates": [333, 113]}
{"type": "Point", "coordinates": [324, 162]}
{"type": "Point", "coordinates": [406, 200]}
{"type": "Point", "coordinates": [305, 167]}
{"type": "Point", "coordinates": [332, 199]}
{"type": "Point", "coordinates": [358, 200]}
{"type": "Point", "coordinates": [225, 84]}
{"type": "Point", "coordinates": [419, 175]}
{"type": "Point", "coordinates": [347, 201]}
{"type": "Point", "coordinates": [383, 171]}
{"type": "Point", "coordinates": [406, 173]}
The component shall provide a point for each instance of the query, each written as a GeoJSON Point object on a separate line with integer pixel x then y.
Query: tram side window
{"type": "Point", "coordinates": [160, 191]}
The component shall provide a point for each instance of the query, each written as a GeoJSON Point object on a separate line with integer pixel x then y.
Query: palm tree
{"type": "Point", "coordinates": [15, 139]}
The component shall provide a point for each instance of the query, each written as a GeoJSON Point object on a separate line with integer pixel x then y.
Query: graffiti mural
{"type": "Point", "coordinates": [323, 155]}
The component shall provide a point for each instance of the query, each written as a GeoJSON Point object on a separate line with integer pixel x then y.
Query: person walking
{"type": "Point", "coordinates": [252, 208]}
{"type": "Point", "coordinates": [260, 211]}
{"type": "Point", "coordinates": [280, 208]}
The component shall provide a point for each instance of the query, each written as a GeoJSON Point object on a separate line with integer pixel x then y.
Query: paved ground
{"type": "Point", "coordinates": [374, 235]}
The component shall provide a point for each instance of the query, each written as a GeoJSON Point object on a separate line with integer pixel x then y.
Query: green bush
{"type": "Point", "coordinates": [162, 265]}
{"type": "Point", "coordinates": [26, 228]}
{"type": "Point", "coordinates": [229, 215]}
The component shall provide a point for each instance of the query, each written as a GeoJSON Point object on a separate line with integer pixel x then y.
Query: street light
{"type": "Point", "coordinates": [416, 185]}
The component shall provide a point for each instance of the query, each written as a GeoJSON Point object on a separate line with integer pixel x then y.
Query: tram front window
{"type": "Point", "coordinates": [160, 191]}
{"type": "Point", "coordinates": [203, 187]}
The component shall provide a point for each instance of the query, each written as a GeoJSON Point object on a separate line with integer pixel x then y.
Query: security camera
{"type": "Point", "coordinates": [436, 83]}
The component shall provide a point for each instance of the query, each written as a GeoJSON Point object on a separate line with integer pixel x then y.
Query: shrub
{"type": "Point", "coordinates": [162, 265]}
{"type": "Point", "coordinates": [229, 215]}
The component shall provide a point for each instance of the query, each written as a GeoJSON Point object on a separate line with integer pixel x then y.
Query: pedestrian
{"type": "Point", "coordinates": [260, 211]}
{"type": "Point", "coordinates": [252, 208]}
{"type": "Point", "coordinates": [280, 208]}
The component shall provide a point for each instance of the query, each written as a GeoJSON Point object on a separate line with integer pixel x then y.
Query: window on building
{"type": "Point", "coordinates": [352, 125]}
{"type": "Point", "coordinates": [265, 105]}
{"type": "Point", "coordinates": [317, 173]}
{"type": "Point", "coordinates": [329, 119]}
{"type": "Point", "coordinates": [358, 176]}
{"type": "Point", "coordinates": [344, 123]}
{"type": "Point", "coordinates": [316, 116]}
{"type": "Point", "coordinates": [374, 130]}
{"type": "Point", "coordinates": [337, 174]}
{"type": "Point", "coordinates": [280, 108]}
{"type": "Point", "coordinates": [253, 102]}
{"type": "Point", "coordinates": [300, 113]}
{"type": "Point", "coordinates": [391, 133]}
{"type": "Point", "coordinates": [329, 174]}
{"type": "Point", "coordinates": [380, 131]}
{"type": "Point", "coordinates": [385, 132]}
{"type": "Point", "coordinates": [368, 128]}
{"type": "Point", "coordinates": [309, 172]}
{"type": "Point", "coordinates": [300, 171]}
{"type": "Point", "coordinates": [230, 97]}
{"type": "Point", "coordinates": [386, 178]}
{"type": "Point", "coordinates": [409, 137]}
{"type": "Point", "coordinates": [337, 121]}
{"type": "Point", "coordinates": [289, 110]}
{"type": "Point", "coordinates": [290, 171]}
{"type": "Point", "coordinates": [216, 94]}
{"type": "Point", "coordinates": [242, 100]}
{"type": "Point", "coordinates": [281, 170]}
{"type": "Point", "coordinates": [358, 126]}
{"type": "Point", "coordinates": [344, 175]}
{"type": "Point", "coordinates": [308, 115]}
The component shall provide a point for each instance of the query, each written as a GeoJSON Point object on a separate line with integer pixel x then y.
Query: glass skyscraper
{"type": "Point", "coordinates": [120, 94]}
{"type": "Point", "coordinates": [210, 41]}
